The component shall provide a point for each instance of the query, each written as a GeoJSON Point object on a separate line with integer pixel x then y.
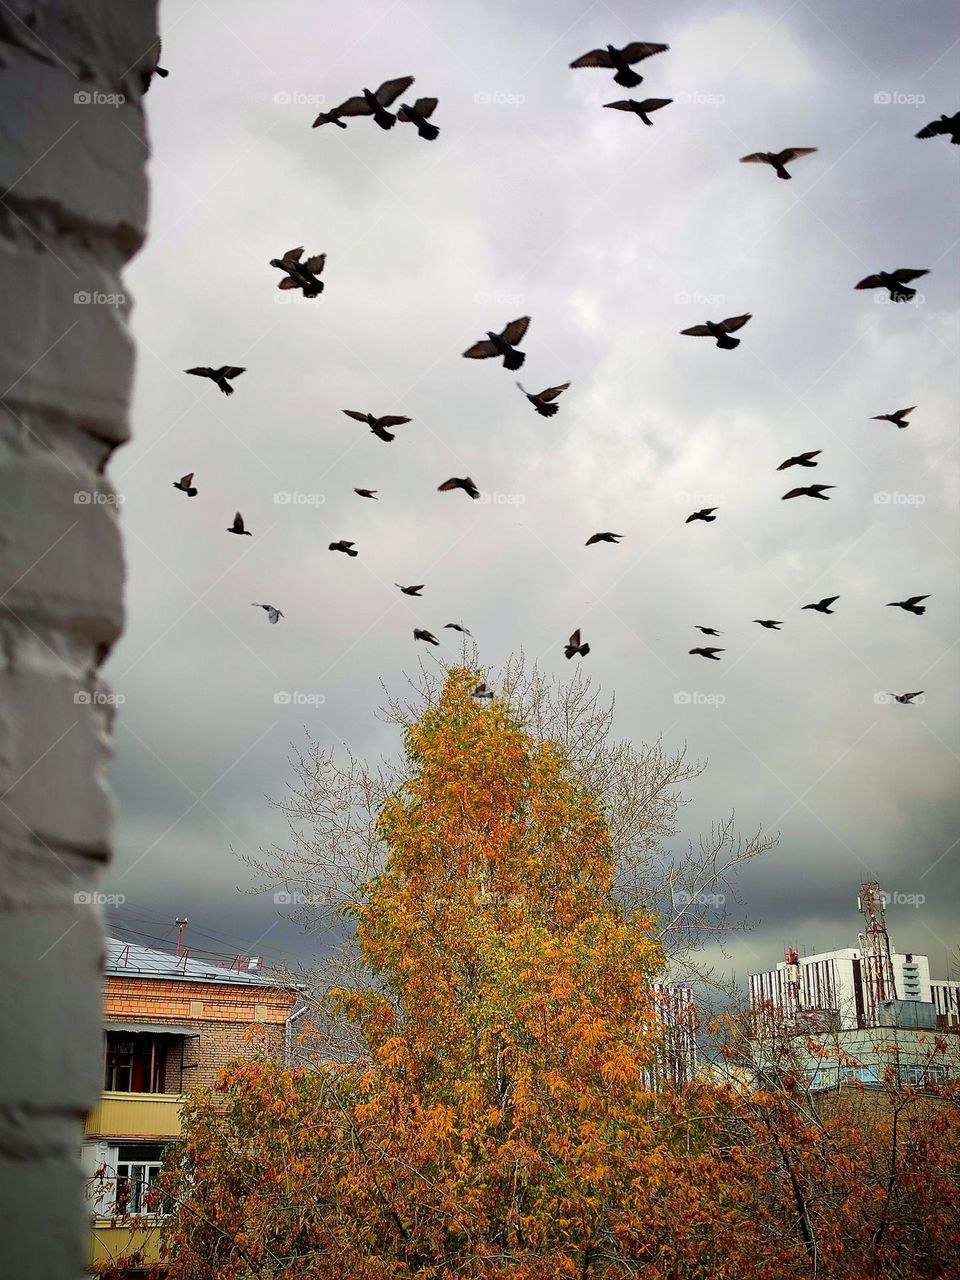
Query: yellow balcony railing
{"type": "Point", "coordinates": [109, 1243]}
{"type": "Point", "coordinates": [135, 1115]}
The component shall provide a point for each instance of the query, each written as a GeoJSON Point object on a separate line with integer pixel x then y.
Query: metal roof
{"type": "Point", "coordinates": [154, 1028]}
{"type": "Point", "coordinates": [131, 959]}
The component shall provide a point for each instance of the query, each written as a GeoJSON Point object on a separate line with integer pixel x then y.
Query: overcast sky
{"type": "Point", "coordinates": [612, 237]}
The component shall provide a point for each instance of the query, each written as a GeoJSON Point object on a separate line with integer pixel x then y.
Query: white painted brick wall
{"type": "Point", "coordinates": [73, 202]}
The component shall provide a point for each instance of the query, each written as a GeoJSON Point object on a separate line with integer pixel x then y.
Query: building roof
{"type": "Point", "coordinates": [130, 959]}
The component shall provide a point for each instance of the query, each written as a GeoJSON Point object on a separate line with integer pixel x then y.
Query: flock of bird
{"type": "Point", "coordinates": [305, 274]}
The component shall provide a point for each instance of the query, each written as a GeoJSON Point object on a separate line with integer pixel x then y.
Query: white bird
{"type": "Point", "coordinates": [273, 614]}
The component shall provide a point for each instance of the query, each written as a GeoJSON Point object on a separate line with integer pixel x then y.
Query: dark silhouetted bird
{"type": "Point", "coordinates": [911, 604]}
{"type": "Point", "coordinates": [368, 104]}
{"type": "Point", "coordinates": [185, 484]}
{"type": "Point", "coordinates": [709, 652]}
{"type": "Point", "coordinates": [420, 634]}
{"type": "Point", "coordinates": [823, 606]}
{"type": "Point", "coordinates": [640, 109]}
{"type": "Point", "coordinates": [411, 591]}
{"type": "Point", "coordinates": [770, 623]}
{"type": "Point", "coordinates": [344, 546]}
{"type": "Point", "coordinates": [573, 646]}
{"type": "Point", "coordinates": [801, 460]}
{"type": "Point", "coordinates": [541, 400]}
{"type": "Point", "coordinates": [502, 344]}
{"type": "Point", "coordinates": [947, 126]}
{"type": "Point", "coordinates": [895, 282]}
{"type": "Point", "coordinates": [620, 60]}
{"type": "Point", "coordinates": [378, 425]}
{"type": "Point", "coordinates": [778, 160]}
{"type": "Point", "coordinates": [707, 631]}
{"type": "Point", "coordinates": [459, 482]}
{"type": "Point", "coordinates": [417, 114]}
{"type": "Point", "coordinates": [481, 691]}
{"type": "Point", "coordinates": [810, 491]}
{"type": "Point", "coordinates": [603, 537]}
{"type": "Point", "coordinates": [906, 699]}
{"type": "Point", "coordinates": [301, 275]}
{"type": "Point", "coordinates": [219, 376]}
{"type": "Point", "coordinates": [237, 526]}
{"type": "Point", "coordinates": [367, 493]}
{"type": "Point", "coordinates": [898, 417]}
{"type": "Point", "coordinates": [705, 514]}
{"type": "Point", "coordinates": [720, 330]}
{"type": "Point", "coordinates": [274, 615]}
{"type": "Point", "coordinates": [456, 626]}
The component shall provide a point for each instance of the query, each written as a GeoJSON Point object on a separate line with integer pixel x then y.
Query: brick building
{"type": "Point", "coordinates": [169, 1024]}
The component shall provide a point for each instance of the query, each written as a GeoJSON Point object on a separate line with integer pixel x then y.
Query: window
{"type": "Point", "coordinates": [137, 1167]}
{"type": "Point", "coordinates": [869, 1074]}
{"type": "Point", "coordinates": [134, 1063]}
{"type": "Point", "coordinates": [915, 1073]}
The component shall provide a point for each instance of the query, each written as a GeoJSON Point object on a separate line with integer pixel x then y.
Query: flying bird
{"type": "Point", "coordinates": [481, 690]}
{"type": "Point", "coordinates": [778, 160]}
{"type": "Point", "coordinates": [823, 606]}
{"type": "Point", "coordinates": [411, 591]}
{"type": "Point", "coordinates": [810, 491]}
{"type": "Point", "coordinates": [459, 482]}
{"type": "Point", "coordinates": [368, 104]}
{"type": "Point", "coordinates": [705, 514]}
{"type": "Point", "coordinates": [417, 114]}
{"type": "Point", "coordinates": [906, 698]}
{"type": "Point", "coordinates": [770, 623]}
{"type": "Point", "coordinates": [641, 109]}
{"type": "Point", "coordinates": [709, 652]}
{"type": "Point", "coordinates": [367, 493]}
{"type": "Point", "coordinates": [420, 634]}
{"type": "Point", "coordinates": [603, 537]}
{"type": "Point", "coordinates": [301, 275]}
{"type": "Point", "coordinates": [911, 604]}
{"type": "Point", "coordinates": [541, 401]}
{"type": "Point", "coordinates": [621, 60]}
{"type": "Point", "coordinates": [237, 526]}
{"type": "Point", "coordinates": [707, 631]}
{"type": "Point", "coordinates": [895, 282]}
{"type": "Point", "coordinates": [456, 626]}
{"type": "Point", "coordinates": [185, 484]}
{"type": "Point", "coordinates": [219, 376]}
{"type": "Point", "coordinates": [502, 344]}
{"type": "Point", "coordinates": [720, 330]}
{"type": "Point", "coordinates": [948, 126]}
{"type": "Point", "coordinates": [274, 615]}
{"type": "Point", "coordinates": [344, 546]}
{"type": "Point", "coordinates": [378, 425]}
{"type": "Point", "coordinates": [801, 460]}
{"type": "Point", "coordinates": [573, 646]}
{"type": "Point", "coordinates": [898, 417]}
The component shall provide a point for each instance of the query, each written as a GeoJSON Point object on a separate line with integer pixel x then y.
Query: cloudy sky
{"type": "Point", "coordinates": [612, 237]}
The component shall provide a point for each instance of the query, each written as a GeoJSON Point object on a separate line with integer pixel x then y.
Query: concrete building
{"type": "Point", "coordinates": [73, 155]}
{"type": "Point", "coordinates": [169, 1023]}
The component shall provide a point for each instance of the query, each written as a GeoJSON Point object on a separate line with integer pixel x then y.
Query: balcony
{"type": "Point", "coordinates": [135, 1115]}
{"type": "Point", "coordinates": [108, 1242]}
